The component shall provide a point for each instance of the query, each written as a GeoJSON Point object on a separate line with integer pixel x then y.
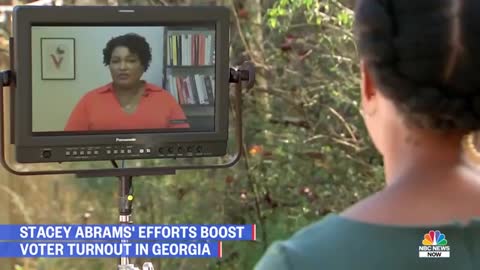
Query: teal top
{"type": "Point", "coordinates": [339, 243]}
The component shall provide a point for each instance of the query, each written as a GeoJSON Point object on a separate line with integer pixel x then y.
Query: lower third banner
{"type": "Point", "coordinates": [110, 250]}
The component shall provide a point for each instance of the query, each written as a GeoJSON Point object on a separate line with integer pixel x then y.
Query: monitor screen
{"type": "Point", "coordinates": [114, 79]}
{"type": "Point", "coordinates": [106, 83]}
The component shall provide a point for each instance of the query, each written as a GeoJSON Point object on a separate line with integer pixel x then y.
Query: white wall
{"type": "Point", "coordinates": [53, 100]}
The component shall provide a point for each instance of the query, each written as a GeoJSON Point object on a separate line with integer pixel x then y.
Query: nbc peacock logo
{"type": "Point", "coordinates": [434, 245]}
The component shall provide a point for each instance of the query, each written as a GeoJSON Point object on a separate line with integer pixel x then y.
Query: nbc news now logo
{"type": "Point", "coordinates": [434, 246]}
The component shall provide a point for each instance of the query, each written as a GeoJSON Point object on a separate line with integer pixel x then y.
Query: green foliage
{"type": "Point", "coordinates": [316, 12]}
{"type": "Point", "coordinates": [310, 151]}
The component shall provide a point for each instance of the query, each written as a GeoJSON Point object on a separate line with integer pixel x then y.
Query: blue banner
{"type": "Point", "coordinates": [110, 250]}
{"type": "Point", "coordinates": [128, 232]}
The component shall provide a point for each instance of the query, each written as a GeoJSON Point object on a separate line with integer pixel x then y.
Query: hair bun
{"type": "Point", "coordinates": [409, 46]}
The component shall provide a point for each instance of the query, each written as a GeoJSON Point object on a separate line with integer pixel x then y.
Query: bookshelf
{"type": "Point", "coordinates": [189, 72]}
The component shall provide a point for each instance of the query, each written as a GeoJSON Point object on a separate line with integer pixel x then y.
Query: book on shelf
{"type": "Point", "coordinates": [190, 49]}
{"type": "Point", "coordinates": [194, 89]}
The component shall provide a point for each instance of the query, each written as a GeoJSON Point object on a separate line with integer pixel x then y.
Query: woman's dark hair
{"type": "Point", "coordinates": [135, 43]}
{"type": "Point", "coordinates": [425, 56]}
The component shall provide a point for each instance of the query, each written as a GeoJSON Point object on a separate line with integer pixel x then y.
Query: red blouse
{"type": "Point", "coordinates": [99, 109]}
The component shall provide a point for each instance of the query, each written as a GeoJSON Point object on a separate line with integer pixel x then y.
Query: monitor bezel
{"type": "Point", "coordinates": [27, 16]}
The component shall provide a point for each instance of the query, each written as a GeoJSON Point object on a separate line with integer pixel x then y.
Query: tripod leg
{"type": "Point", "coordinates": [125, 210]}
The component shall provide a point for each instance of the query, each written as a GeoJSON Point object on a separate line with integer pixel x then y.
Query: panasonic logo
{"type": "Point", "coordinates": [125, 140]}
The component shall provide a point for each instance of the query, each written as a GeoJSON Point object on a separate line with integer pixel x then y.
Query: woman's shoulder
{"type": "Point", "coordinates": [98, 90]}
{"type": "Point", "coordinates": [306, 247]}
{"type": "Point", "coordinates": [153, 87]}
{"type": "Point", "coordinates": [93, 96]}
{"type": "Point", "coordinates": [339, 242]}
{"type": "Point", "coordinates": [378, 227]}
{"type": "Point", "coordinates": [158, 90]}
{"type": "Point", "coordinates": [334, 242]}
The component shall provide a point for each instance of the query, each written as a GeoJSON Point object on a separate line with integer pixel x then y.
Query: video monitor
{"type": "Point", "coordinates": [100, 83]}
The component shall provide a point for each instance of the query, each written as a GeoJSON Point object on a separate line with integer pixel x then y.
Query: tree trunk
{"type": "Point", "coordinates": [256, 45]}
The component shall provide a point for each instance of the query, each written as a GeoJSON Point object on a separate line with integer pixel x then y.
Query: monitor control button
{"type": "Point", "coordinates": [160, 150]}
{"type": "Point", "coordinates": [170, 150]}
{"type": "Point", "coordinates": [199, 149]}
{"type": "Point", "coordinates": [180, 150]}
{"type": "Point", "coordinates": [189, 149]}
{"type": "Point", "coordinates": [47, 154]}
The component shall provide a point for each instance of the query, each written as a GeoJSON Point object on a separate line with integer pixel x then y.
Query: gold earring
{"type": "Point", "coordinates": [468, 145]}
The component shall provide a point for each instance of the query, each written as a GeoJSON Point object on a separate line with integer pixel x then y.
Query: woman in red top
{"type": "Point", "coordinates": [127, 102]}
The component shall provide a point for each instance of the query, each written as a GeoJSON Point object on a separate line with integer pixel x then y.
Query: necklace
{"type": "Point", "coordinates": [129, 108]}
{"type": "Point", "coordinates": [131, 103]}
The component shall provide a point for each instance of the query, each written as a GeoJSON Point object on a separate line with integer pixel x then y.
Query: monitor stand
{"type": "Point", "coordinates": [243, 74]}
{"type": "Point", "coordinates": [125, 211]}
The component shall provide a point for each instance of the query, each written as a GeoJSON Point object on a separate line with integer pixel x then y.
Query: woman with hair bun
{"type": "Point", "coordinates": [420, 96]}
